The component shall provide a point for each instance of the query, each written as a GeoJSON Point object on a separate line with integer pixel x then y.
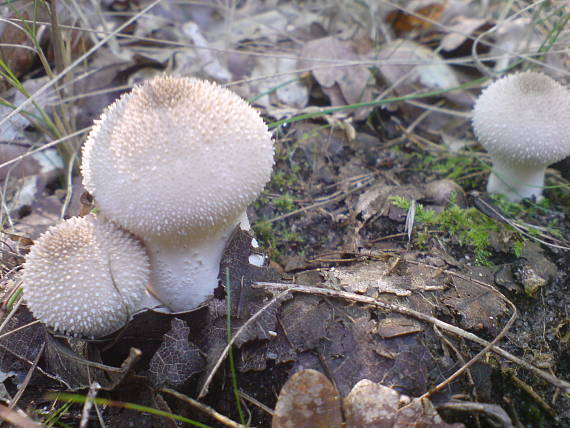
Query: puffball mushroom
{"type": "Point", "coordinates": [85, 276]}
{"type": "Point", "coordinates": [177, 161]}
{"type": "Point", "coordinates": [523, 122]}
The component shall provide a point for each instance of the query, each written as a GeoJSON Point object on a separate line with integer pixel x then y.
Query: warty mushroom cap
{"type": "Point", "coordinates": [85, 276]}
{"type": "Point", "coordinates": [177, 156]}
{"type": "Point", "coordinates": [523, 119]}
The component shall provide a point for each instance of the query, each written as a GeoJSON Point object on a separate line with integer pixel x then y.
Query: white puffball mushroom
{"type": "Point", "coordinates": [85, 277]}
{"type": "Point", "coordinates": [523, 121]}
{"type": "Point", "coordinates": [177, 161]}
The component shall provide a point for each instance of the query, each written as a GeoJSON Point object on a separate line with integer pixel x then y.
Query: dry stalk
{"type": "Point", "coordinates": [203, 408]}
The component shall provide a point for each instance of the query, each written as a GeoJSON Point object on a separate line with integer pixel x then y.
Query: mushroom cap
{"type": "Point", "coordinates": [523, 119]}
{"type": "Point", "coordinates": [177, 156]}
{"type": "Point", "coordinates": [85, 276]}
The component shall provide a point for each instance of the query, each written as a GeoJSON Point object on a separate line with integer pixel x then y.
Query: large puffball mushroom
{"type": "Point", "coordinates": [177, 161]}
{"type": "Point", "coordinates": [522, 120]}
{"type": "Point", "coordinates": [85, 277]}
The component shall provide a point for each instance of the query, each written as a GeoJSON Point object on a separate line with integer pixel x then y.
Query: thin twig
{"type": "Point", "coordinates": [22, 327]}
{"type": "Point", "coordinates": [91, 395]}
{"type": "Point", "coordinates": [473, 360]}
{"type": "Point", "coordinates": [256, 402]}
{"type": "Point", "coordinates": [22, 388]}
{"type": "Point", "coordinates": [203, 408]}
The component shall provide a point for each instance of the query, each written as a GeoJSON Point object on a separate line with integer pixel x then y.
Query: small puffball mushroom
{"type": "Point", "coordinates": [177, 161]}
{"type": "Point", "coordinates": [85, 277]}
{"type": "Point", "coordinates": [523, 120]}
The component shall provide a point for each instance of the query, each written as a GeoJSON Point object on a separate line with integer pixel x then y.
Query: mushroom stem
{"type": "Point", "coordinates": [516, 182]}
{"type": "Point", "coordinates": [184, 272]}
{"type": "Point", "coordinates": [150, 302]}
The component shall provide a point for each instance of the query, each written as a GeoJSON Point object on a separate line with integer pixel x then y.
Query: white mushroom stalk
{"type": "Point", "coordinates": [176, 162]}
{"type": "Point", "coordinates": [86, 277]}
{"type": "Point", "coordinates": [522, 121]}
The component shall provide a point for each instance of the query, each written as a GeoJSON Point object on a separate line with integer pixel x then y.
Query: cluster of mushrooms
{"type": "Point", "coordinates": [172, 179]}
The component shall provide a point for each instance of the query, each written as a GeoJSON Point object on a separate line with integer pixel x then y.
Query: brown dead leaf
{"type": "Point", "coordinates": [375, 201]}
{"type": "Point", "coordinates": [422, 413]}
{"type": "Point", "coordinates": [305, 321]}
{"type": "Point", "coordinates": [396, 325]}
{"type": "Point", "coordinates": [403, 22]}
{"type": "Point", "coordinates": [478, 307]}
{"type": "Point", "coordinates": [343, 83]}
{"type": "Point", "coordinates": [371, 405]}
{"type": "Point", "coordinates": [308, 400]}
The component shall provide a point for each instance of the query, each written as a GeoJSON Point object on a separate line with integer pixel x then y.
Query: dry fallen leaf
{"type": "Point", "coordinates": [344, 83]}
{"type": "Point", "coordinates": [371, 405]}
{"type": "Point", "coordinates": [421, 20]}
{"type": "Point", "coordinates": [308, 400]}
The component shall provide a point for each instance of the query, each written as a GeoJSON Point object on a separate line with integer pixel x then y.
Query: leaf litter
{"type": "Point", "coordinates": [340, 171]}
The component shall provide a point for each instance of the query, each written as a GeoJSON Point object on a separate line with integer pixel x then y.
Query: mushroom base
{"type": "Point", "coordinates": [516, 182]}
{"type": "Point", "coordinates": [184, 271]}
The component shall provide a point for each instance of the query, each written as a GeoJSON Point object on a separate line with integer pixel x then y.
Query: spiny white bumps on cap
{"type": "Point", "coordinates": [85, 276]}
{"type": "Point", "coordinates": [177, 161]}
{"type": "Point", "coordinates": [523, 122]}
{"type": "Point", "coordinates": [175, 156]}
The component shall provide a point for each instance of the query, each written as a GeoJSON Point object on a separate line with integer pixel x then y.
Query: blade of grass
{"type": "Point", "coordinates": [271, 90]}
{"type": "Point", "coordinates": [77, 398]}
{"type": "Point", "coordinates": [53, 418]}
{"type": "Point", "coordinates": [374, 103]}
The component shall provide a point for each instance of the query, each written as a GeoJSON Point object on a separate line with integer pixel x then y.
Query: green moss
{"type": "Point", "coordinates": [285, 203]}
{"type": "Point", "coordinates": [468, 169]}
{"type": "Point", "coordinates": [518, 247]}
{"type": "Point", "coordinates": [467, 227]}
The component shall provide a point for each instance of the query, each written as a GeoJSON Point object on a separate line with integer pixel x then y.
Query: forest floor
{"type": "Point", "coordinates": [387, 261]}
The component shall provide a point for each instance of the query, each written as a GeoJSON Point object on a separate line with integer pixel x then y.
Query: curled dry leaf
{"type": "Point", "coordinates": [372, 405]}
{"type": "Point", "coordinates": [308, 400]}
{"type": "Point", "coordinates": [409, 67]}
{"type": "Point", "coordinates": [343, 82]}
